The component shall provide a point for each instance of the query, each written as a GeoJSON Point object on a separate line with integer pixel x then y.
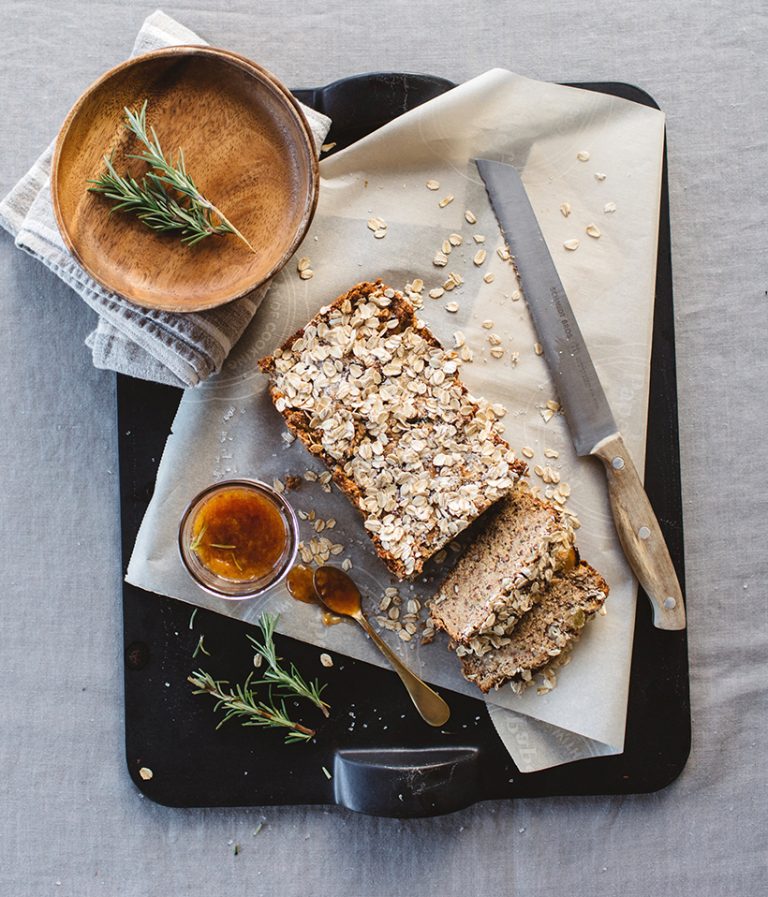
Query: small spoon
{"type": "Point", "coordinates": [340, 595]}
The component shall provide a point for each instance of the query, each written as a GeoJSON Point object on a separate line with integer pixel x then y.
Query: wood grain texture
{"type": "Point", "coordinates": [640, 534]}
{"type": "Point", "coordinates": [246, 144]}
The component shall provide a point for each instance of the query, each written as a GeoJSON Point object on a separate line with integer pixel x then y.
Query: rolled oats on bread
{"type": "Point", "coordinates": [371, 391]}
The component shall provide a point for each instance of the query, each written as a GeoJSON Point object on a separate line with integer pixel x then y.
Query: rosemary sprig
{"type": "Point", "coordinates": [185, 209]}
{"type": "Point", "coordinates": [290, 681]}
{"type": "Point", "coordinates": [241, 703]}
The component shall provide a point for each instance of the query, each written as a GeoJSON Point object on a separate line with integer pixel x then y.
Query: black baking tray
{"type": "Point", "coordinates": [380, 757]}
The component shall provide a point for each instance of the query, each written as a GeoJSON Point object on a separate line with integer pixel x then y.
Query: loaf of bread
{"type": "Point", "coordinates": [369, 390]}
{"type": "Point", "coordinates": [544, 634]}
{"type": "Point", "coordinates": [503, 571]}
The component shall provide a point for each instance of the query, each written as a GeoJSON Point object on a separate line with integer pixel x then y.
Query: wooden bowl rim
{"type": "Point", "coordinates": [247, 65]}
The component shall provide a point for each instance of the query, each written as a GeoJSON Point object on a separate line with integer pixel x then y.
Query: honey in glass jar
{"type": "Point", "coordinates": [238, 538]}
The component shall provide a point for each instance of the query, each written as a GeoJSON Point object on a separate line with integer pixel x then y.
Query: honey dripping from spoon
{"type": "Point", "coordinates": [301, 587]}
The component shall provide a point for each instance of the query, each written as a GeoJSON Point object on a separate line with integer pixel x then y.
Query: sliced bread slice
{"type": "Point", "coordinates": [546, 632]}
{"type": "Point", "coordinates": [499, 576]}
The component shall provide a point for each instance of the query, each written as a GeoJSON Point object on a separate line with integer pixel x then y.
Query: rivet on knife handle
{"type": "Point", "coordinates": [640, 534]}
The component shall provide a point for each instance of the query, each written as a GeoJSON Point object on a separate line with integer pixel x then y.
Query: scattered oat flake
{"type": "Point", "coordinates": [417, 285]}
{"type": "Point", "coordinates": [452, 307]}
{"type": "Point", "coordinates": [326, 773]}
{"type": "Point", "coordinates": [380, 233]}
{"type": "Point", "coordinates": [551, 453]}
{"type": "Point", "coordinates": [146, 773]}
{"type": "Point", "coordinates": [436, 293]}
{"type": "Point", "coordinates": [565, 208]}
{"type": "Point", "coordinates": [547, 414]}
{"type": "Point", "coordinates": [599, 176]}
{"type": "Point", "coordinates": [433, 185]}
{"type": "Point", "coordinates": [538, 470]}
{"type": "Point", "coordinates": [487, 325]}
{"type": "Point", "coordinates": [497, 352]}
{"type": "Point", "coordinates": [440, 260]}
{"type": "Point", "coordinates": [346, 564]}
{"type": "Point", "coordinates": [304, 263]}
{"type": "Point", "coordinates": [593, 231]}
{"type": "Point", "coordinates": [278, 486]}
{"type": "Point", "coordinates": [498, 409]}
{"type": "Point", "coordinates": [327, 147]}
{"type": "Point", "coordinates": [564, 489]}
{"type": "Point", "coordinates": [456, 278]}
{"type": "Point", "coordinates": [571, 245]}
{"type": "Point", "coordinates": [470, 217]}
{"type": "Point", "coordinates": [489, 278]}
{"type": "Point", "coordinates": [553, 405]}
{"type": "Point", "coordinates": [480, 257]}
{"type": "Point", "coordinates": [582, 156]}
{"type": "Point", "coordinates": [447, 247]}
{"type": "Point", "coordinates": [538, 348]}
{"type": "Point", "coordinates": [375, 224]}
{"type": "Point", "coordinates": [609, 207]}
{"type": "Point", "coordinates": [527, 451]}
{"type": "Point", "coordinates": [478, 238]}
{"type": "Point", "coordinates": [326, 660]}
{"type": "Point", "coordinates": [446, 201]}
{"type": "Point", "coordinates": [494, 340]}
{"type": "Point", "coordinates": [455, 239]}
{"type": "Point", "coordinates": [459, 339]}
{"type": "Point", "coordinates": [517, 296]}
{"type": "Point", "coordinates": [306, 274]}
{"type": "Point", "coordinates": [503, 253]}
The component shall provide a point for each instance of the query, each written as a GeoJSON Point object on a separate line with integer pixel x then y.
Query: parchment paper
{"type": "Point", "coordinates": [228, 426]}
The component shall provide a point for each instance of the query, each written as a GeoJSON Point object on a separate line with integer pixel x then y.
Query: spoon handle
{"type": "Point", "coordinates": [430, 705]}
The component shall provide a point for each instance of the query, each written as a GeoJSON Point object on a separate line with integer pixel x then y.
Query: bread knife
{"type": "Point", "coordinates": [590, 421]}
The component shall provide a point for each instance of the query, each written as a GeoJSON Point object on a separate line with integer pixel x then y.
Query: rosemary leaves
{"type": "Point", "coordinates": [287, 681]}
{"type": "Point", "coordinates": [167, 198]}
{"type": "Point", "coordinates": [241, 701]}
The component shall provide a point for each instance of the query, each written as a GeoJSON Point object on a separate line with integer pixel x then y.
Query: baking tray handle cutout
{"type": "Point", "coordinates": [404, 782]}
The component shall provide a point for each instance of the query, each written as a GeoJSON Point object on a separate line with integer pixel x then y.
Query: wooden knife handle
{"type": "Point", "coordinates": [640, 534]}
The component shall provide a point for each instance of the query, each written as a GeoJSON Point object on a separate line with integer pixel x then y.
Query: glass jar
{"type": "Point", "coordinates": [238, 538]}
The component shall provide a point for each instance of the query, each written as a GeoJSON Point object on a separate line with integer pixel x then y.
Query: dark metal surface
{"type": "Point", "coordinates": [576, 382]}
{"type": "Point", "coordinates": [381, 758]}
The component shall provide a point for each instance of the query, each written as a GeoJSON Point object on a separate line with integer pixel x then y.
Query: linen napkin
{"type": "Point", "coordinates": [177, 349]}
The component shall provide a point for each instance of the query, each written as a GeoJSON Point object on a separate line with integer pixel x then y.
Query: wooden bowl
{"type": "Point", "coordinates": [246, 144]}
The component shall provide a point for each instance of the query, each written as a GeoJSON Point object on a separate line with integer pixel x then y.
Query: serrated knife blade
{"type": "Point", "coordinates": [590, 421]}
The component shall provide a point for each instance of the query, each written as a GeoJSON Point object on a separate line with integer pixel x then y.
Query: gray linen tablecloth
{"type": "Point", "coordinates": [71, 822]}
